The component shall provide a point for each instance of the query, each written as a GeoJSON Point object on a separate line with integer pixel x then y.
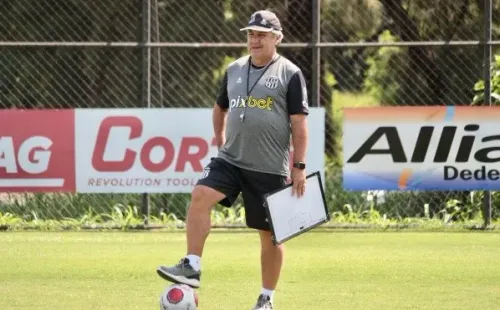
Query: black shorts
{"type": "Point", "coordinates": [231, 181]}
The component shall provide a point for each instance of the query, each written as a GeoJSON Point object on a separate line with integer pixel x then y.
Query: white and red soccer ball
{"type": "Point", "coordinates": [179, 297]}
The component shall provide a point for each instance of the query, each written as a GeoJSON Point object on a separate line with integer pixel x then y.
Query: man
{"type": "Point", "coordinates": [261, 102]}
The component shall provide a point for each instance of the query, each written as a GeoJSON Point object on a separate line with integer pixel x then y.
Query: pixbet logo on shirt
{"type": "Point", "coordinates": [252, 102]}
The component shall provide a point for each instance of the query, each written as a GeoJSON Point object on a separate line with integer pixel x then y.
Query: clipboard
{"type": "Point", "coordinates": [289, 216]}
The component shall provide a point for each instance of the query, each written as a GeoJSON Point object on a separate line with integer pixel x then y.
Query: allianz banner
{"type": "Point", "coordinates": [421, 148]}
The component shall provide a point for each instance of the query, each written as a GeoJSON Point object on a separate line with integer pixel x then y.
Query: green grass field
{"type": "Point", "coordinates": [324, 270]}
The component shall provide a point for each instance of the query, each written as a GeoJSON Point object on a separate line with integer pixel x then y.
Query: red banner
{"type": "Point", "coordinates": [37, 151]}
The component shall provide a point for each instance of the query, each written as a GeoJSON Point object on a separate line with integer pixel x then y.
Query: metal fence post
{"type": "Point", "coordinates": [146, 82]}
{"type": "Point", "coordinates": [487, 93]}
{"type": "Point", "coordinates": [316, 53]}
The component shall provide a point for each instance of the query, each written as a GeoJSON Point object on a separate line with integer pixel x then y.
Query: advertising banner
{"type": "Point", "coordinates": [116, 150]}
{"type": "Point", "coordinates": [156, 150]}
{"type": "Point", "coordinates": [421, 148]}
{"type": "Point", "coordinates": [37, 151]}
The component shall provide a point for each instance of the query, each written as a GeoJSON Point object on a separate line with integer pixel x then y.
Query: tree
{"type": "Point", "coordinates": [61, 77]}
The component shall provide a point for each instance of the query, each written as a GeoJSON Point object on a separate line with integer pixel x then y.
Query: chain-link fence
{"type": "Point", "coordinates": [154, 53]}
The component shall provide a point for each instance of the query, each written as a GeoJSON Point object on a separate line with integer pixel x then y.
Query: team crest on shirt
{"type": "Point", "coordinates": [272, 82]}
{"type": "Point", "coordinates": [206, 171]}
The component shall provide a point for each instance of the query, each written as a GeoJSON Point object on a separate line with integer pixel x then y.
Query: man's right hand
{"type": "Point", "coordinates": [220, 141]}
{"type": "Point", "coordinates": [219, 122]}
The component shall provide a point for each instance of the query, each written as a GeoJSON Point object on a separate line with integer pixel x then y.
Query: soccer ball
{"type": "Point", "coordinates": [179, 297]}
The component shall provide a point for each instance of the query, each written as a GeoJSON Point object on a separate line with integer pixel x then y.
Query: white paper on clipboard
{"type": "Point", "coordinates": [290, 216]}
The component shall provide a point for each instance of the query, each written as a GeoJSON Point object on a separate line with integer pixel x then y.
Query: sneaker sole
{"type": "Point", "coordinates": [178, 279]}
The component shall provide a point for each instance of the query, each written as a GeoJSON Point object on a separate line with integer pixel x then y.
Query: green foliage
{"type": "Point", "coordinates": [124, 216]}
{"type": "Point", "coordinates": [383, 77]}
{"type": "Point", "coordinates": [228, 216]}
{"type": "Point", "coordinates": [9, 219]}
{"type": "Point", "coordinates": [495, 85]}
{"type": "Point", "coordinates": [341, 100]}
{"type": "Point", "coordinates": [359, 215]}
{"type": "Point", "coordinates": [475, 201]}
{"type": "Point", "coordinates": [354, 208]}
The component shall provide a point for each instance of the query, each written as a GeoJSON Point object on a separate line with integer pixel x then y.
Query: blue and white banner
{"type": "Point", "coordinates": [421, 148]}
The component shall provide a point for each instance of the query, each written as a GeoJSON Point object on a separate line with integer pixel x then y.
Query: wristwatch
{"type": "Point", "coordinates": [299, 165]}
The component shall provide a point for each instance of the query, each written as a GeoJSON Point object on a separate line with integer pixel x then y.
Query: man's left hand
{"type": "Point", "coordinates": [298, 182]}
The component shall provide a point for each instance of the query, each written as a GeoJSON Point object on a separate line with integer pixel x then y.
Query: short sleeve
{"type": "Point", "coordinates": [297, 95]}
{"type": "Point", "coordinates": [222, 98]}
